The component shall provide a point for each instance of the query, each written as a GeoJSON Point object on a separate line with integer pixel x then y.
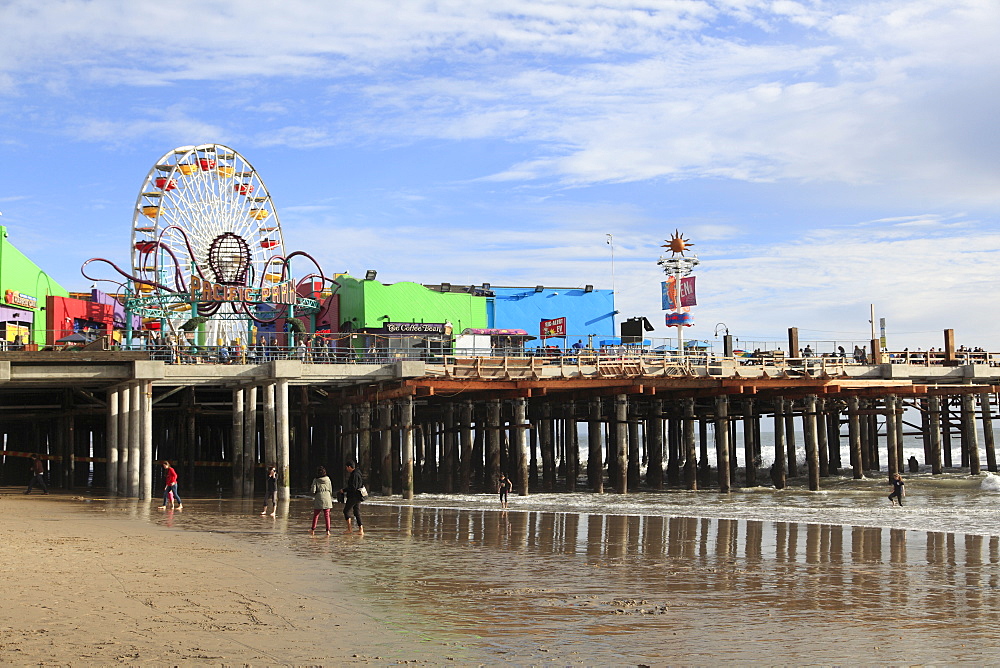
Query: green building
{"type": "Point", "coordinates": [24, 286]}
{"type": "Point", "coordinates": [405, 319]}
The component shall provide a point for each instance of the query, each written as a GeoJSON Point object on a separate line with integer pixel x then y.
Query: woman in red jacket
{"type": "Point", "coordinates": [170, 486]}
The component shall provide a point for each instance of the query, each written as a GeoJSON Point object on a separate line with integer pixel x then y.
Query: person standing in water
{"type": "Point", "coordinates": [353, 497]}
{"type": "Point", "coordinates": [322, 491]}
{"type": "Point", "coordinates": [897, 489]}
{"type": "Point", "coordinates": [271, 493]}
{"type": "Point", "coordinates": [170, 487]}
{"type": "Point", "coordinates": [504, 487]}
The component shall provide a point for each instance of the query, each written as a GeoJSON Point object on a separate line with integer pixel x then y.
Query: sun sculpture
{"type": "Point", "coordinates": [207, 250]}
{"type": "Point", "coordinates": [677, 244]}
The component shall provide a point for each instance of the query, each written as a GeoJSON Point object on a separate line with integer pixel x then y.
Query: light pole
{"type": "Point", "coordinates": [611, 242]}
{"type": "Point", "coordinates": [678, 266]}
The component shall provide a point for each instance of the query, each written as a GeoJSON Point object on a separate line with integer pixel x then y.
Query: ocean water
{"type": "Point", "coordinates": [755, 577]}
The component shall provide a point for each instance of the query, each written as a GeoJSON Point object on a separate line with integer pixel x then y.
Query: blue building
{"type": "Point", "coordinates": [589, 313]}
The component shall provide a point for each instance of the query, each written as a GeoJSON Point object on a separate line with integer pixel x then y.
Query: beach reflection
{"type": "Point", "coordinates": [537, 587]}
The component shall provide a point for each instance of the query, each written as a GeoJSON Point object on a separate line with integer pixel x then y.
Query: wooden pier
{"type": "Point", "coordinates": [103, 420]}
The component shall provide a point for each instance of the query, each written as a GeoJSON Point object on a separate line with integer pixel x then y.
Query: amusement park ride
{"type": "Point", "coordinates": [208, 254]}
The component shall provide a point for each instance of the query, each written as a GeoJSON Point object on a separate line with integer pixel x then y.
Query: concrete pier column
{"type": "Point", "coordinates": [750, 442]}
{"type": "Point", "coordinates": [270, 438]}
{"type": "Point", "coordinates": [236, 444]}
{"type": "Point", "coordinates": [520, 438]}
{"type": "Point", "coordinates": [281, 428]}
{"type": "Point", "coordinates": [595, 454]}
{"type": "Point", "coordinates": [722, 443]}
{"type": "Point", "coordinates": [385, 446]}
{"type": "Point", "coordinates": [854, 437]}
{"type": "Point", "coordinates": [634, 447]}
{"type": "Point", "coordinates": [406, 444]}
{"type": "Point", "coordinates": [969, 435]}
{"type": "Point", "coordinates": [113, 445]}
{"type": "Point", "coordinates": [690, 443]}
{"type": "Point", "coordinates": [934, 432]}
{"type": "Point", "coordinates": [988, 438]}
{"type": "Point", "coordinates": [810, 436]}
{"type": "Point", "coordinates": [249, 439]}
{"type": "Point", "coordinates": [124, 421]}
{"type": "Point", "coordinates": [146, 440]}
{"type": "Point", "coordinates": [621, 443]}
{"type": "Point", "coordinates": [134, 437]}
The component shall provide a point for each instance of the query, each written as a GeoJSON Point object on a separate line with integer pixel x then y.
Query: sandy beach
{"type": "Point", "coordinates": [95, 586]}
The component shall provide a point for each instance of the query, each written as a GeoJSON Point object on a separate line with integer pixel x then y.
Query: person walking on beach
{"type": "Point", "coordinates": [897, 489]}
{"type": "Point", "coordinates": [170, 495]}
{"type": "Point", "coordinates": [322, 491]}
{"type": "Point", "coordinates": [353, 496]}
{"type": "Point", "coordinates": [504, 487]}
{"type": "Point", "coordinates": [37, 475]}
{"type": "Point", "coordinates": [271, 493]}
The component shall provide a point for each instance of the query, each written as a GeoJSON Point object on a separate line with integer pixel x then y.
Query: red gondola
{"type": "Point", "coordinates": [243, 188]}
{"type": "Point", "coordinates": [268, 243]}
{"type": "Point", "coordinates": [163, 183]}
{"type": "Point", "coordinates": [145, 246]}
{"type": "Point", "coordinates": [206, 164]}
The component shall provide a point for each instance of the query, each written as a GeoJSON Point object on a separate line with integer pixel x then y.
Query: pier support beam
{"type": "Point", "coordinates": [249, 440]}
{"type": "Point", "coordinates": [892, 444]}
{"type": "Point", "coordinates": [385, 446]}
{"type": "Point", "coordinates": [134, 438]}
{"type": "Point", "coordinates": [113, 446]}
{"type": "Point", "coordinates": [822, 432]}
{"type": "Point", "coordinates": [467, 444]}
{"type": "Point", "coordinates": [493, 433]}
{"type": "Point", "coordinates": [722, 443]}
{"type": "Point", "coordinates": [519, 434]}
{"type": "Point", "coordinates": [970, 440]}
{"type": "Point", "coordinates": [364, 417]}
{"type": "Point", "coordinates": [124, 437]}
{"type": "Point", "coordinates": [690, 446]}
{"type": "Point", "coordinates": [406, 444]}
{"type": "Point", "coordinates": [595, 456]}
{"type": "Point", "coordinates": [572, 447]}
{"type": "Point", "coordinates": [792, 464]}
{"type": "Point", "coordinates": [450, 447]}
{"type": "Point", "coordinates": [236, 443]}
{"type": "Point", "coordinates": [283, 442]}
{"type": "Point", "coordinates": [778, 470]}
{"type": "Point", "coordinates": [749, 442]}
{"type": "Point", "coordinates": [809, 435]}
{"type": "Point", "coordinates": [654, 444]}
{"type": "Point", "coordinates": [621, 443]}
{"type": "Point", "coordinates": [987, 413]}
{"type": "Point", "coordinates": [146, 441]}
{"type": "Point", "coordinates": [934, 431]}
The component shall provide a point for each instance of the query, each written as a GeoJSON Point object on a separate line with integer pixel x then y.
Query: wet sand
{"type": "Point", "coordinates": [89, 583]}
{"type": "Point", "coordinates": [478, 586]}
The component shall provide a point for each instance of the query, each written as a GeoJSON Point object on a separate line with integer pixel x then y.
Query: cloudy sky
{"type": "Point", "coordinates": [822, 155]}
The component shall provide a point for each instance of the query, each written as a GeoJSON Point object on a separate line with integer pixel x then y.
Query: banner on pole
{"type": "Point", "coordinates": [669, 297]}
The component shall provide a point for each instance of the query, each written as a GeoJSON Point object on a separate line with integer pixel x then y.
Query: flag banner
{"type": "Point", "coordinates": [552, 328]}
{"type": "Point", "coordinates": [667, 294]}
{"type": "Point", "coordinates": [687, 292]}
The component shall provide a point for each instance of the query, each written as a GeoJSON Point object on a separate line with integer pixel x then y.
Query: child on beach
{"type": "Point", "coordinates": [354, 494]}
{"type": "Point", "coordinates": [504, 487]}
{"type": "Point", "coordinates": [897, 489]}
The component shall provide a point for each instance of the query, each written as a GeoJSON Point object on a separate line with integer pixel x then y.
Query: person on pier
{"type": "Point", "coordinates": [897, 489]}
{"type": "Point", "coordinates": [354, 494]}
{"type": "Point", "coordinates": [37, 475]}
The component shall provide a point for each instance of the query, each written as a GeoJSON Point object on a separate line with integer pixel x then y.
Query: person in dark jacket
{"type": "Point", "coordinates": [37, 475]}
{"type": "Point", "coordinates": [353, 497]}
{"type": "Point", "coordinates": [271, 493]}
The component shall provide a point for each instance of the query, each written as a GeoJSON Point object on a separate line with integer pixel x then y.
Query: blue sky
{"type": "Point", "coordinates": [821, 155]}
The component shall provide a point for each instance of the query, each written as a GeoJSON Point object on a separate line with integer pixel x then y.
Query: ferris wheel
{"type": "Point", "coordinates": [203, 213]}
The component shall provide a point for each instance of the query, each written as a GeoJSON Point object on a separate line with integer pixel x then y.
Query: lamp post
{"type": "Point", "coordinates": [611, 242]}
{"type": "Point", "coordinates": [678, 266]}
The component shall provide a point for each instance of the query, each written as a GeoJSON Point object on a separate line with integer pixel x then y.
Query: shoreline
{"type": "Point", "coordinates": [91, 585]}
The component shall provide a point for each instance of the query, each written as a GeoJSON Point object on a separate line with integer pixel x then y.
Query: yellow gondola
{"type": "Point", "coordinates": [274, 278]}
{"type": "Point", "coordinates": [260, 214]}
{"type": "Point", "coordinates": [151, 211]}
{"type": "Point", "coordinates": [144, 287]}
{"type": "Point", "coordinates": [187, 168]}
{"type": "Point", "coordinates": [225, 170]}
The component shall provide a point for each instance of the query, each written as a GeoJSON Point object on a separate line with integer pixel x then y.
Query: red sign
{"type": "Point", "coordinates": [687, 292]}
{"type": "Point", "coordinates": [552, 328]}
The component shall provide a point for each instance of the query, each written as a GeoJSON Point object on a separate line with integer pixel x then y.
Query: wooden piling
{"type": "Point", "coordinates": [809, 436]}
{"type": "Point", "coordinates": [450, 447]}
{"type": "Point", "coordinates": [406, 444]}
{"type": "Point", "coordinates": [654, 444]}
{"type": "Point", "coordinates": [620, 443]}
{"type": "Point", "coordinates": [988, 437]}
{"type": "Point", "coordinates": [969, 437]}
{"type": "Point", "coordinates": [946, 431]}
{"type": "Point", "coordinates": [595, 467]}
{"type": "Point", "coordinates": [892, 444]}
{"type": "Point", "coordinates": [778, 473]}
{"type": "Point", "coordinates": [634, 446]}
{"type": "Point", "coordinates": [385, 446]}
{"type": "Point", "coordinates": [934, 431]}
{"type": "Point", "coordinates": [519, 436]}
{"type": "Point", "coordinates": [792, 465]}
{"type": "Point", "coordinates": [690, 446]}
{"type": "Point", "coordinates": [493, 433]}
{"type": "Point", "coordinates": [364, 417]}
{"type": "Point", "coordinates": [722, 442]}
{"type": "Point", "coordinates": [821, 435]}
{"type": "Point", "coordinates": [466, 444]}
{"type": "Point", "coordinates": [749, 443]}
{"type": "Point", "coordinates": [572, 447]}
